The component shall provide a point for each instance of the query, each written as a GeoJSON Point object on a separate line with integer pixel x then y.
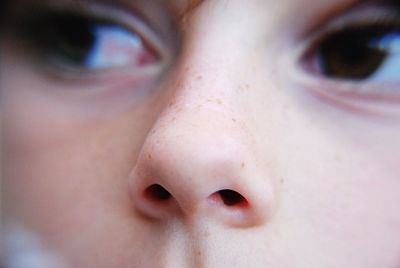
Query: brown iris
{"type": "Point", "coordinates": [355, 53]}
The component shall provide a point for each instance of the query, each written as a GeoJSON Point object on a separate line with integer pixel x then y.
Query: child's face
{"type": "Point", "coordinates": [252, 133]}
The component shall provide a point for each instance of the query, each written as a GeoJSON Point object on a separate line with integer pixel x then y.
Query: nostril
{"type": "Point", "coordinates": [157, 193]}
{"type": "Point", "coordinates": [232, 198]}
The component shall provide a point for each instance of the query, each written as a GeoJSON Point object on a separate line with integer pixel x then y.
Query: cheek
{"type": "Point", "coordinates": [341, 183]}
{"type": "Point", "coordinates": [58, 167]}
{"type": "Point", "coordinates": [337, 178]}
{"type": "Point", "coordinates": [49, 173]}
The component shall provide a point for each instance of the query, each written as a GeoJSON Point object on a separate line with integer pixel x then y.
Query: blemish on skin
{"type": "Point", "coordinates": [149, 156]}
{"type": "Point", "coordinates": [338, 159]}
{"type": "Point", "coordinates": [199, 77]}
{"type": "Point", "coordinates": [171, 103]}
{"type": "Point", "coordinates": [219, 101]}
{"type": "Point", "coordinates": [243, 165]}
{"type": "Point", "coordinates": [174, 118]}
{"type": "Point", "coordinates": [244, 87]}
{"type": "Point", "coordinates": [282, 180]}
{"type": "Point", "coordinates": [206, 234]}
{"type": "Point", "coordinates": [234, 120]}
{"type": "Point", "coordinates": [178, 84]}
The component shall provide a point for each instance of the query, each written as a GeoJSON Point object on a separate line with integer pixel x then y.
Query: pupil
{"type": "Point", "coordinates": [73, 39]}
{"type": "Point", "coordinates": [352, 54]}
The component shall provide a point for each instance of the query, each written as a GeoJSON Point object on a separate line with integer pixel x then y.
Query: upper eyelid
{"type": "Point", "coordinates": [367, 14]}
{"type": "Point", "coordinates": [350, 12]}
{"type": "Point", "coordinates": [357, 16]}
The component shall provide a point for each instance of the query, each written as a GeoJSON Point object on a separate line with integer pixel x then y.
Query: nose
{"type": "Point", "coordinates": [200, 162]}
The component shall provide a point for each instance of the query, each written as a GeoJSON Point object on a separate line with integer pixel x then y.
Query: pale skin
{"type": "Point", "coordinates": [227, 109]}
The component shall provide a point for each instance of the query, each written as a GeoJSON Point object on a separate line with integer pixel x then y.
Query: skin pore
{"type": "Point", "coordinates": [220, 139]}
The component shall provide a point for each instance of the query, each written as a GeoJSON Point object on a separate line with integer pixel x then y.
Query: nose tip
{"type": "Point", "coordinates": [211, 185]}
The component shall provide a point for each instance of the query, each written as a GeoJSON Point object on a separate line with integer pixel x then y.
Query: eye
{"type": "Point", "coordinates": [358, 54]}
{"type": "Point", "coordinates": [367, 50]}
{"type": "Point", "coordinates": [81, 43]}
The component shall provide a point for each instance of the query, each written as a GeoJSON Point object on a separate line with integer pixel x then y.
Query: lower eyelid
{"type": "Point", "coordinates": [362, 93]}
{"type": "Point", "coordinates": [302, 74]}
